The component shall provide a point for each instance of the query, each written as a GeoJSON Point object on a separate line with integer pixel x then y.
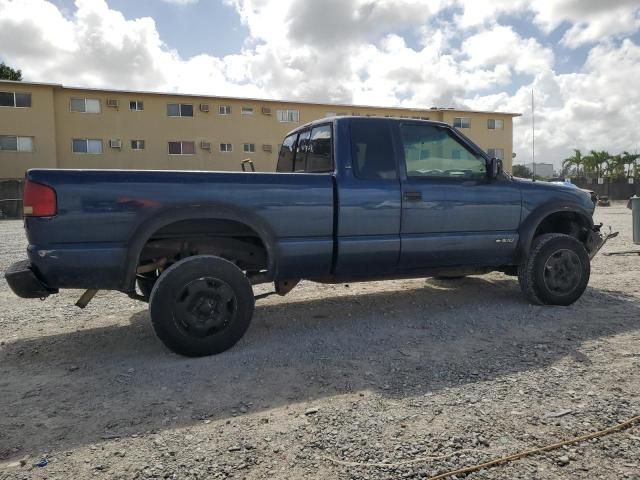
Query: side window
{"type": "Point", "coordinates": [372, 150]}
{"type": "Point", "coordinates": [285, 158]}
{"type": "Point", "coordinates": [310, 151]}
{"type": "Point", "coordinates": [433, 152]}
{"type": "Point", "coordinates": [319, 152]}
{"type": "Point", "coordinates": [302, 148]}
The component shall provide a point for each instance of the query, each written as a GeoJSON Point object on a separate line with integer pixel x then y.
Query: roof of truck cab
{"type": "Point", "coordinates": [340, 118]}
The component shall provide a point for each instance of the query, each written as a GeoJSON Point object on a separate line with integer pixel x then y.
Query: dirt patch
{"type": "Point", "coordinates": [377, 372]}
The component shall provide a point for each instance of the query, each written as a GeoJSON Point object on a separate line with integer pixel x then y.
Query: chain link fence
{"type": "Point", "coordinates": [11, 198]}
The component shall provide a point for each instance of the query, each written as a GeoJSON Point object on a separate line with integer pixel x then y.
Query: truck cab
{"type": "Point", "coordinates": [414, 194]}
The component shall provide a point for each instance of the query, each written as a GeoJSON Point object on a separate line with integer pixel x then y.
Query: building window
{"type": "Point", "coordinates": [136, 105]}
{"type": "Point", "coordinates": [292, 116]}
{"type": "Point", "coordinates": [182, 148]}
{"type": "Point", "coordinates": [137, 144]}
{"type": "Point", "coordinates": [249, 147]}
{"type": "Point", "coordinates": [224, 109]}
{"type": "Point", "coordinates": [246, 110]}
{"type": "Point", "coordinates": [179, 109]}
{"type": "Point", "coordinates": [10, 143]}
{"type": "Point", "coordinates": [227, 147]}
{"type": "Point", "coordinates": [86, 145]}
{"type": "Point", "coordinates": [85, 105]}
{"type": "Point", "coordinates": [15, 99]}
{"type": "Point", "coordinates": [496, 153]}
{"type": "Point", "coordinates": [495, 124]}
{"type": "Point", "coordinates": [462, 122]}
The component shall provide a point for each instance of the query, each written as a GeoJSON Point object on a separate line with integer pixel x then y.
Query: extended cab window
{"type": "Point", "coordinates": [433, 152]}
{"type": "Point", "coordinates": [285, 158]}
{"type": "Point", "coordinates": [307, 151]}
{"type": "Point", "coordinates": [372, 150]}
{"type": "Point", "coordinates": [299, 162]}
{"type": "Point", "coordinates": [319, 151]}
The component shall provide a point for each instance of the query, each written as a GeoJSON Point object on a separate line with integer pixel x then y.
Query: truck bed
{"type": "Point", "coordinates": [108, 211]}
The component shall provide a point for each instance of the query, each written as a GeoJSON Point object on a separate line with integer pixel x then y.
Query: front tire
{"type": "Point", "coordinates": [557, 270]}
{"type": "Point", "coordinates": [201, 305]}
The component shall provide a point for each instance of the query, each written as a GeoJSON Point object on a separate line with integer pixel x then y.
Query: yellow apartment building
{"type": "Point", "coordinates": [54, 126]}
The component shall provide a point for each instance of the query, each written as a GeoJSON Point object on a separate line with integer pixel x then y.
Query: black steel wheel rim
{"type": "Point", "coordinates": [205, 306]}
{"type": "Point", "coordinates": [562, 272]}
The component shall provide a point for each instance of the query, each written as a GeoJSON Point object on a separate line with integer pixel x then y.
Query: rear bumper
{"type": "Point", "coordinates": [25, 283]}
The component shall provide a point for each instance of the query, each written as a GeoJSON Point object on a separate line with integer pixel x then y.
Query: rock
{"type": "Point", "coordinates": [563, 461]}
{"type": "Point", "coordinates": [235, 448]}
{"type": "Point", "coordinates": [559, 413]}
{"type": "Point", "coordinates": [311, 411]}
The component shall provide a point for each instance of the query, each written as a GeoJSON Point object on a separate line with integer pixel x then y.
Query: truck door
{"type": "Point", "coordinates": [368, 198]}
{"type": "Point", "coordinates": [452, 214]}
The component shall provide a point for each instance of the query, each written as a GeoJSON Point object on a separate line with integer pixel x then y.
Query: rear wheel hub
{"type": "Point", "coordinates": [205, 306]}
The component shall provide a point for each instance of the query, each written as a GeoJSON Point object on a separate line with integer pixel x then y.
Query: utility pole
{"type": "Point", "coordinates": [533, 136]}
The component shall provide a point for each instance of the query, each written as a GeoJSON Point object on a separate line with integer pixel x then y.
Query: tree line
{"type": "Point", "coordinates": [598, 164]}
{"type": "Point", "coordinates": [8, 73]}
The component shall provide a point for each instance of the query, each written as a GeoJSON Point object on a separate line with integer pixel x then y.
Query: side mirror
{"type": "Point", "coordinates": [494, 168]}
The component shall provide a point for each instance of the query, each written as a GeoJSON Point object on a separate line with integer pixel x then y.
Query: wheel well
{"type": "Point", "coordinates": [569, 223]}
{"type": "Point", "coordinates": [228, 239]}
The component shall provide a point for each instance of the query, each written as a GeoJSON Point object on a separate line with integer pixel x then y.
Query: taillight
{"type": "Point", "coordinates": [38, 200]}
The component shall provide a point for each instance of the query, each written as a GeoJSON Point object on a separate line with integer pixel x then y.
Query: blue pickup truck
{"type": "Point", "coordinates": [353, 199]}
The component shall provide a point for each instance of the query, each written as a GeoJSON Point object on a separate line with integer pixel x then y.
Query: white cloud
{"type": "Point", "coordinates": [502, 46]}
{"type": "Point", "coordinates": [403, 52]}
{"type": "Point", "coordinates": [595, 108]}
{"type": "Point", "coordinates": [588, 21]}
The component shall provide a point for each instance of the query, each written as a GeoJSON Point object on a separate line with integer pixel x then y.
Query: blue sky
{"type": "Point", "coordinates": [209, 26]}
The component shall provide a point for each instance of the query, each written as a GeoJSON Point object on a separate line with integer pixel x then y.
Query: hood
{"type": "Point", "coordinates": [559, 190]}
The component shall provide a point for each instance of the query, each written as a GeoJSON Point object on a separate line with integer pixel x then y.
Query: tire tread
{"type": "Point", "coordinates": [527, 270]}
{"type": "Point", "coordinates": [162, 317]}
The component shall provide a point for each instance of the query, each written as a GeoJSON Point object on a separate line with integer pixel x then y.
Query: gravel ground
{"type": "Point", "coordinates": [377, 372]}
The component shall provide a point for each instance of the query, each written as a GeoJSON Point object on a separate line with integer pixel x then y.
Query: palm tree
{"type": "Point", "coordinates": [617, 166]}
{"type": "Point", "coordinates": [629, 163]}
{"type": "Point", "coordinates": [576, 160]}
{"type": "Point", "coordinates": [598, 162]}
{"type": "Point", "coordinates": [588, 165]}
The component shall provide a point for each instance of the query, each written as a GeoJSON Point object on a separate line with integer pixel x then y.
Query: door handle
{"type": "Point", "coordinates": [412, 196]}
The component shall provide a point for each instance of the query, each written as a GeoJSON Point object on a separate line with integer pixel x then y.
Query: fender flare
{"type": "Point", "coordinates": [143, 233]}
{"type": "Point", "coordinates": [529, 226]}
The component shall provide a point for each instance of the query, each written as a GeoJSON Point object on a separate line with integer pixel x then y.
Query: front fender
{"type": "Point", "coordinates": [531, 223]}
